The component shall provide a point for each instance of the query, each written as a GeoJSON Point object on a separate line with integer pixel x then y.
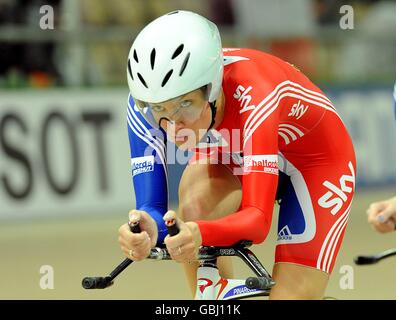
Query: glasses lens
{"type": "Point", "coordinates": [188, 113]}
{"type": "Point", "coordinates": [147, 114]}
{"type": "Point", "coordinates": [185, 111]}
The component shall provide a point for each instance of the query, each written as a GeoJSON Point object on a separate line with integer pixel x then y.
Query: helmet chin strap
{"type": "Point", "coordinates": [213, 109]}
{"type": "Point", "coordinates": [163, 130]}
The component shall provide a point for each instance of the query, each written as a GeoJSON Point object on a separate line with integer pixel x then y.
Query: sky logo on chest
{"type": "Point", "coordinates": [142, 165]}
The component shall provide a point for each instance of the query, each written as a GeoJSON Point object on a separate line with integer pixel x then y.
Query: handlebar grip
{"type": "Point", "coordinates": [173, 228]}
{"type": "Point", "coordinates": [363, 260]}
{"type": "Point", "coordinates": [261, 283]}
{"type": "Point", "coordinates": [134, 227]}
{"type": "Point", "coordinates": [96, 282]}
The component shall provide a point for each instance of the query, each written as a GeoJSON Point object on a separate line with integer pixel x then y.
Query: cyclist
{"type": "Point", "coordinates": [260, 130]}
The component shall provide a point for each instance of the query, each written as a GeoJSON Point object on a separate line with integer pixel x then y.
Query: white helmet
{"type": "Point", "coordinates": [175, 54]}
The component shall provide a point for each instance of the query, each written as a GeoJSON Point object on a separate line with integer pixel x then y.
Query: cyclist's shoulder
{"type": "Point", "coordinates": [251, 54]}
{"type": "Point", "coordinates": [251, 58]}
{"type": "Point", "coordinates": [251, 65]}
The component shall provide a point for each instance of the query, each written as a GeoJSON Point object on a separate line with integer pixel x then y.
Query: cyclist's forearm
{"type": "Point", "coordinates": [248, 224]}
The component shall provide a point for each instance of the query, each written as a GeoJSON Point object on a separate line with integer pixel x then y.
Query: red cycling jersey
{"type": "Point", "coordinates": [281, 121]}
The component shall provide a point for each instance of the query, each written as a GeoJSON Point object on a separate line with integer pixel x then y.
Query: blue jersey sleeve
{"type": "Point", "coordinates": [149, 169]}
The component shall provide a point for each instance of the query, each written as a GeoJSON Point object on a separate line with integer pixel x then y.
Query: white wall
{"type": "Point", "coordinates": [91, 177]}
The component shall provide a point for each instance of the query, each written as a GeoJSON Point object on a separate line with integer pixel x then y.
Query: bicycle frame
{"type": "Point", "coordinates": [211, 286]}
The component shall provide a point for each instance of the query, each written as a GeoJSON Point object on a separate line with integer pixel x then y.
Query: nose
{"type": "Point", "coordinates": [173, 125]}
{"type": "Point", "coordinates": [175, 116]}
{"type": "Point", "coordinates": [176, 119]}
{"type": "Point", "coordinates": [178, 126]}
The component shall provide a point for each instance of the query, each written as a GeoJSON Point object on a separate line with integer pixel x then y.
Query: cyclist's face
{"type": "Point", "coordinates": [184, 117]}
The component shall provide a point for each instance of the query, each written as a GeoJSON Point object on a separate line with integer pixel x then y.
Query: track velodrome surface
{"type": "Point", "coordinates": [75, 248]}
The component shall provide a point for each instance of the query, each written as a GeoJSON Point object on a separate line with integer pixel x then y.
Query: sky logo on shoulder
{"type": "Point", "coordinates": [142, 165]}
{"type": "Point", "coordinates": [241, 94]}
{"type": "Point", "coordinates": [267, 163]}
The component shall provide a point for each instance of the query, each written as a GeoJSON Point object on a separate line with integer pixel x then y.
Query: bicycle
{"type": "Point", "coordinates": [210, 286]}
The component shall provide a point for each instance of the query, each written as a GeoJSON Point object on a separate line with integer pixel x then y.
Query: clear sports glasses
{"type": "Point", "coordinates": [185, 111]}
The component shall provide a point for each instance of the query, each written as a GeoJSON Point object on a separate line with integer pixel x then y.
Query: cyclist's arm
{"type": "Point", "coordinates": [253, 221]}
{"type": "Point", "coordinates": [148, 166]}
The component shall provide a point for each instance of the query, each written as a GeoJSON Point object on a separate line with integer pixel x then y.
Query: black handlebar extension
{"type": "Point", "coordinates": [134, 227]}
{"type": "Point", "coordinates": [104, 282]}
{"type": "Point", "coordinates": [261, 283]}
{"type": "Point", "coordinates": [173, 228]}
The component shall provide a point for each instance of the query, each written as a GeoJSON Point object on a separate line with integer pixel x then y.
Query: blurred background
{"type": "Point", "coordinates": [65, 184]}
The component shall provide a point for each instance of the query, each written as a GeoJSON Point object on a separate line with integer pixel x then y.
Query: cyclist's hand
{"type": "Point", "coordinates": [382, 215]}
{"type": "Point", "coordinates": [136, 246]}
{"type": "Point", "coordinates": [184, 246]}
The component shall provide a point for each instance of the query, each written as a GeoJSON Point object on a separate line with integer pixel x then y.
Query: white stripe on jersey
{"type": "Point", "coordinates": [265, 112]}
{"type": "Point", "coordinates": [324, 251]}
{"type": "Point", "coordinates": [312, 94]}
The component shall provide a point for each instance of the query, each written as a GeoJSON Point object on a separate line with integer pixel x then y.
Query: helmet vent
{"type": "Point", "coordinates": [166, 78]}
{"type": "Point", "coordinates": [184, 65]}
{"type": "Point", "coordinates": [178, 51]}
{"type": "Point", "coordinates": [173, 12]}
{"type": "Point", "coordinates": [129, 68]}
{"type": "Point", "coordinates": [142, 80]}
{"type": "Point", "coordinates": [135, 56]}
{"type": "Point", "coordinates": [152, 58]}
